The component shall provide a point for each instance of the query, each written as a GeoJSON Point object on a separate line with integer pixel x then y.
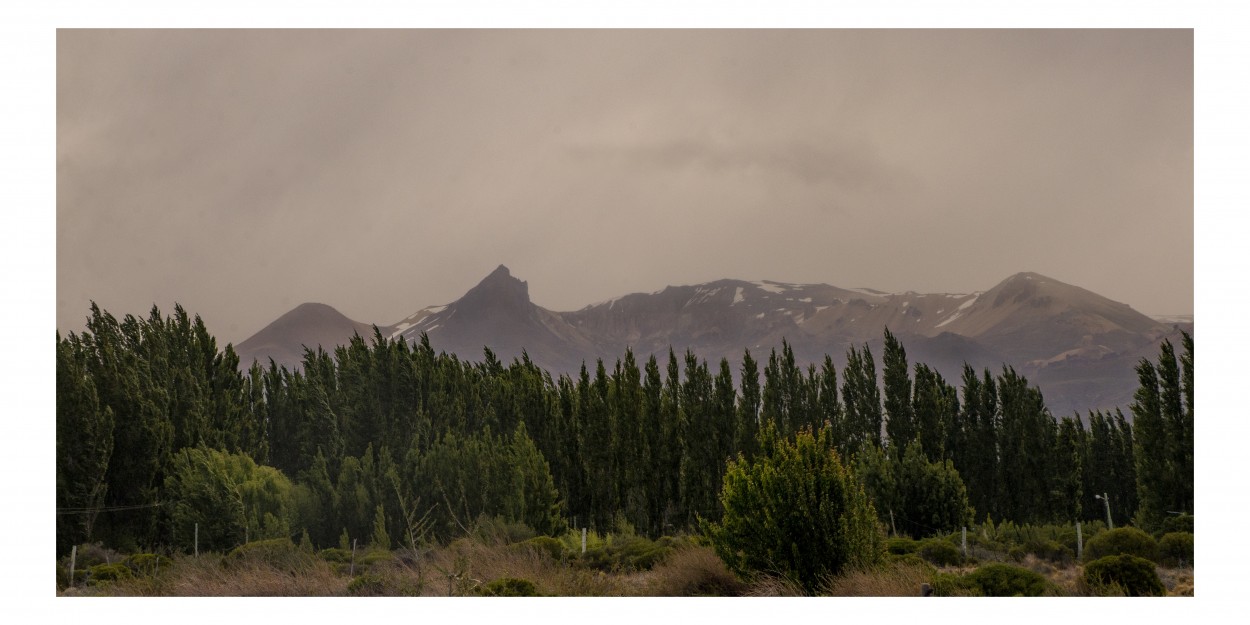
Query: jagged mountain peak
{"type": "Point", "coordinates": [500, 273]}
{"type": "Point", "coordinates": [499, 289]}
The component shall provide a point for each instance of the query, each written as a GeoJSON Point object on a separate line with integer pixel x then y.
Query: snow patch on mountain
{"type": "Point", "coordinates": [959, 311]}
{"type": "Point", "coordinates": [773, 287]}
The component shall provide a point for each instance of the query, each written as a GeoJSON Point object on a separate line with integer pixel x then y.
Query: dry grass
{"type": "Point", "coordinates": [463, 567]}
{"type": "Point", "coordinates": [772, 586]}
{"type": "Point", "coordinates": [692, 572]}
{"type": "Point", "coordinates": [900, 580]}
{"type": "Point", "coordinates": [206, 577]}
{"type": "Point", "coordinates": [1178, 582]}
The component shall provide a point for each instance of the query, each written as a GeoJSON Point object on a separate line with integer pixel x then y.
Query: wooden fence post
{"type": "Point", "coordinates": [1080, 543]}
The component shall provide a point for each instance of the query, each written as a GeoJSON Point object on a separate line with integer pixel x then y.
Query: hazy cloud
{"type": "Point", "coordinates": [241, 173]}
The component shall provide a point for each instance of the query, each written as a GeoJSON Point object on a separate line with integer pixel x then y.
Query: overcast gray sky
{"type": "Point", "coordinates": [242, 173]}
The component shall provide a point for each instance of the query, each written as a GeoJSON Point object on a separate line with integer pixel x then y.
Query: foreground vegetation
{"type": "Point", "coordinates": [498, 559]}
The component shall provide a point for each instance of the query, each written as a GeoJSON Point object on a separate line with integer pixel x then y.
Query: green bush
{"type": "Point", "coordinates": [147, 563]}
{"type": "Point", "coordinates": [108, 573]}
{"type": "Point", "coordinates": [91, 554]}
{"type": "Point", "coordinates": [940, 552]}
{"type": "Point", "coordinates": [1176, 523]}
{"type": "Point", "coordinates": [1017, 553]}
{"type": "Point", "coordinates": [545, 545]}
{"type": "Point", "coordinates": [1176, 549]}
{"type": "Point", "coordinates": [1135, 576]}
{"type": "Point", "coordinates": [497, 530]}
{"type": "Point", "coordinates": [794, 510]}
{"type": "Point", "coordinates": [509, 587]}
{"type": "Point", "coordinates": [367, 585]}
{"type": "Point", "coordinates": [901, 545]}
{"type": "Point", "coordinates": [279, 553]}
{"type": "Point", "coordinates": [623, 553]}
{"type": "Point", "coordinates": [953, 585]}
{"type": "Point", "coordinates": [1005, 580]}
{"type": "Point", "coordinates": [1120, 540]}
{"type": "Point", "coordinates": [336, 555]}
{"type": "Point", "coordinates": [910, 559]}
{"type": "Point", "coordinates": [1049, 550]}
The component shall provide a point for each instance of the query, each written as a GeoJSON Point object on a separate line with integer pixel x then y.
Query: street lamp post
{"type": "Point", "coordinates": [1107, 503]}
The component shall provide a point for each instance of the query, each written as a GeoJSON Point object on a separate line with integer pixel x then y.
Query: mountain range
{"type": "Point", "coordinates": [1077, 346]}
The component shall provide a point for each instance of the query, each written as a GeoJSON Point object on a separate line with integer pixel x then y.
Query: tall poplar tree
{"type": "Point", "coordinates": [861, 399]}
{"type": "Point", "coordinates": [748, 408]}
{"type": "Point", "coordinates": [900, 425]}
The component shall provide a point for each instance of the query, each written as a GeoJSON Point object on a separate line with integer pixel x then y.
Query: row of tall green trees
{"type": "Point", "coordinates": [387, 440]}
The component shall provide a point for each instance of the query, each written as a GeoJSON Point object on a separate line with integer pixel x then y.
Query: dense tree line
{"type": "Point", "coordinates": [386, 440]}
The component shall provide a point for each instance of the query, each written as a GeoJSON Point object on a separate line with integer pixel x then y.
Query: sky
{"type": "Point", "coordinates": [243, 172]}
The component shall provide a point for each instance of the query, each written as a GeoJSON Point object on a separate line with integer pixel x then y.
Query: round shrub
{"type": "Point", "coordinates": [1135, 576]}
{"type": "Point", "coordinates": [952, 585]}
{"type": "Point", "coordinates": [1005, 580]}
{"type": "Point", "coordinates": [279, 553]}
{"type": "Point", "coordinates": [545, 545]}
{"type": "Point", "coordinates": [336, 555]}
{"type": "Point", "coordinates": [509, 587]}
{"type": "Point", "coordinates": [92, 554]}
{"type": "Point", "coordinates": [367, 585]}
{"type": "Point", "coordinates": [901, 546]}
{"type": "Point", "coordinates": [147, 563]}
{"type": "Point", "coordinates": [1017, 553]}
{"type": "Point", "coordinates": [1176, 549]}
{"type": "Point", "coordinates": [108, 572]}
{"type": "Point", "coordinates": [912, 560]}
{"type": "Point", "coordinates": [1050, 551]}
{"type": "Point", "coordinates": [940, 552]}
{"type": "Point", "coordinates": [638, 553]}
{"type": "Point", "coordinates": [1120, 540]}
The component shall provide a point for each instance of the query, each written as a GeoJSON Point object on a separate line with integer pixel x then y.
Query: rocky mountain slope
{"type": "Point", "coordinates": [1078, 346]}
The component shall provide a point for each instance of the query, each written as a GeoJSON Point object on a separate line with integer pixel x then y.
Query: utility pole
{"type": "Point", "coordinates": [1106, 502]}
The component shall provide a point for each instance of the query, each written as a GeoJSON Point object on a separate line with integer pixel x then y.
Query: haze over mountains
{"type": "Point", "coordinates": [1077, 346]}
